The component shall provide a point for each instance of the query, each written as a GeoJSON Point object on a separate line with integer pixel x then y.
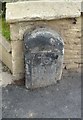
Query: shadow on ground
{"type": "Point", "coordinates": [62, 100]}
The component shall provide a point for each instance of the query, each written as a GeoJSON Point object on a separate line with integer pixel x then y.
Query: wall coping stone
{"type": "Point", "coordinates": [38, 10]}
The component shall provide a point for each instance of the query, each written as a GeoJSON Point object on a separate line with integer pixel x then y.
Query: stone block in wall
{"type": "Point", "coordinates": [72, 47]}
{"type": "Point", "coordinates": [71, 66]}
{"type": "Point", "coordinates": [71, 56]}
{"type": "Point", "coordinates": [17, 49]}
{"type": "Point", "coordinates": [72, 52]}
{"type": "Point", "coordinates": [18, 66]}
{"type": "Point", "coordinates": [14, 31]}
{"type": "Point", "coordinates": [17, 30]}
{"type": "Point", "coordinates": [17, 59]}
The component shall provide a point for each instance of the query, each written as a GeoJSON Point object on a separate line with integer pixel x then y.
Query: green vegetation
{"type": "Point", "coordinates": [5, 28]}
{"type": "Point", "coordinates": [0, 25]}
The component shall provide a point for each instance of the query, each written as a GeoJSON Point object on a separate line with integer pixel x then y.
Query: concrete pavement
{"type": "Point", "coordinates": [62, 100]}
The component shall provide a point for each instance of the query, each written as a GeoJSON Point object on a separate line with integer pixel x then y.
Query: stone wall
{"type": "Point", "coordinates": [70, 31]}
{"type": "Point", "coordinates": [63, 17]}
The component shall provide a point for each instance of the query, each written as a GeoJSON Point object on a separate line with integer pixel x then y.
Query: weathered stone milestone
{"type": "Point", "coordinates": [44, 50]}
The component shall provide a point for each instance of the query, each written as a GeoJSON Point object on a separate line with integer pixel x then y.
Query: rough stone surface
{"type": "Point", "coordinates": [44, 50]}
{"type": "Point", "coordinates": [17, 30]}
{"type": "Point", "coordinates": [17, 50]}
{"type": "Point", "coordinates": [18, 59]}
{"type": "Point", "coordinates": [18, 67]}
{"type": "Point", "coordinates": [14, 31]}
{"type": "Point", "coordinates": [69, 30]}
{"type": "Point", "coordinates": [38, 10]}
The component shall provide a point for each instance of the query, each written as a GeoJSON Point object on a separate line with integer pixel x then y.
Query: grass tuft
{"type": "Point", "coordinates": [5, 29]}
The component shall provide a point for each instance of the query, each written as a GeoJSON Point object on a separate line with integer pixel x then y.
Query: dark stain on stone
{"type": "Point", "coordinates": [74, 20]}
